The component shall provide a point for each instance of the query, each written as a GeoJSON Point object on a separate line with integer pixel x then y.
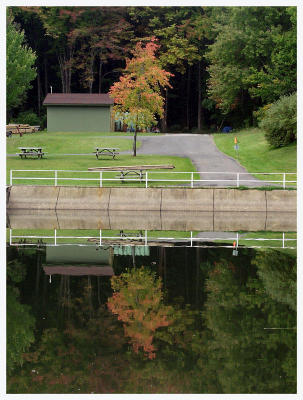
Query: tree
{"type": "Point", "coordinates": [252, 54]}
{"type": "Point", "coordinates": [137, 94]}
{"type": "Point", "coordinates": [137, 300]}
{"type": "Point", "coordinates": [19, 65]}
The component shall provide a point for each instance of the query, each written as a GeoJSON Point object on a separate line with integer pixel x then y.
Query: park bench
{"type": "Point", "coordinates": [31, 151]}
{"type": "Point", "coordinates": [106, 151]}
{"type": "Point", "coordinates": [137, 170]}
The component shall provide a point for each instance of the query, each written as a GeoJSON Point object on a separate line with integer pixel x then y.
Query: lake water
{"type": "Point", "coordinates": [150, 319]}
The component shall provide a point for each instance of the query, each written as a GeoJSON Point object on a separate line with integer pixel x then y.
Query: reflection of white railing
{"type": "Point", "coordinates": [192, 178]}
{"type": "Point", "coordinates": [145, 240]}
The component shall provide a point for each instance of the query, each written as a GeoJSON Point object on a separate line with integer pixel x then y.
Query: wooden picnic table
{"type": "Point", "coordinates": [132, 169]}
{"type": "Point", "coordinates": [106, 151]}
{"type": "Point", "coordinates": [30, 151]}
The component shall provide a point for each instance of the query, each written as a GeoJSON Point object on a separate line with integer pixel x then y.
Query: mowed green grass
{"type": "Point", "coordinates": [58, 144]}
{"type": "Point", "coordinates": [68, 142]}
{"type": "Point", "coordinates": [256, 155]}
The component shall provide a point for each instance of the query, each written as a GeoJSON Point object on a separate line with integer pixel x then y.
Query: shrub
{"type": "Point", "coordinates": [28, 117]}
{"type": "Point", "coordinates": [279, 121]}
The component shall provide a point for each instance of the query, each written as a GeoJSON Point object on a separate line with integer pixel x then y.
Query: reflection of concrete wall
{"type": "Point", "coordinates": [153, 220]}
{"type": "Point", "coordinates": [151, 199]}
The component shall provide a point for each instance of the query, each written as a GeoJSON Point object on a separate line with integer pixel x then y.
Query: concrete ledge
{"type": "Point", "coordinates": [281, 221]}
{"type": "Point", "coordinates": [144, 220]}
{"type": "Point", "coordinates": [151, 199]}
{"type": "Point", "coordinates": [239, 200]}
{"type": "Point", "coordinates": [152, 220]}
{"type": "Point", "coordinates": [137, 199]}
{"type": "Point", "coordinates": [84, 219]}
{"type": "Point", "coordinates": [239, 221]}
{"type": "Point", "coordinates": [282, 200]}
{"type": "Point", "coordinates": [187, 220]}
{"type": "Point", "coordinates": [33, 197]}
{"type": "Point", "coordinates": [175, 199]}
{"type": "Point", "coordinates": [83, 198]}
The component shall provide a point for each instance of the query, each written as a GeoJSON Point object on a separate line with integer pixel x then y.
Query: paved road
{"type": "Point", "coordinates": [204, 154]}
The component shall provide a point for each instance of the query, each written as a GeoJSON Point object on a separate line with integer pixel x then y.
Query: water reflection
{"type": "Point", "coordinates": [170, 320]}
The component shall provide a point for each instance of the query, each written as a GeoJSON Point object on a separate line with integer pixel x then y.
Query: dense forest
{"type": "Point", "coordinates": [228, 63]}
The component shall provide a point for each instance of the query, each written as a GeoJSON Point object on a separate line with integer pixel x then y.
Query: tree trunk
{"type": "Point", "coordinates": [197, 276]}
{"type": "Point", "coordinates": [164, 119]}
{"type": "Point", "coordinates": [46, 89]}
{"type": "Point", "coordinates": [39, 91]}
{"type": "Point", "coordinates": [188, 97]}
{"type": "Point", "coordinates": [199, 96]}
{"type": "Point", "coordinates": [100, 76]}
{"type": "Point", "coordinates": [135, 139]}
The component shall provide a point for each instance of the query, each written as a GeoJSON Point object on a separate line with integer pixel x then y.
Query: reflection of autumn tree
{"type": "Point", "coordinates": [138, 302]}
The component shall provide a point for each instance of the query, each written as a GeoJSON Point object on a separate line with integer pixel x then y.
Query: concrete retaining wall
{"type": "Point", "coordinates": [151, 199]}
{"type": "Point", "coordinates": [153, 220]}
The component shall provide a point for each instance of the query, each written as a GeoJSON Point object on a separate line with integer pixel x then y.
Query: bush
{"type": "Point", "coordinates": [279, 121]}
{"type": "Point", "coordinates": [28, 117]}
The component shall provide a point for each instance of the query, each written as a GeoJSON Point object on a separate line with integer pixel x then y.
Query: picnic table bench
{"type": "Point", "coordinates": [31, 151]}
{"type": "Point", "coordinates": [106, 151]}
{"type": "Point", "coordinates": [138, 170]}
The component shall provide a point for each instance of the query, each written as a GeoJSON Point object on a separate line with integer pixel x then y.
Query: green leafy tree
{"type": "Point", "coordinates": [20, 61]}
{"type": "Point", "coordinates": [249, 57]}
{"type": "Point", "coordinates": [137, 94]}
{"type": "Point", "coordinates": [249, 357]}
{"type": "Point", "coordinates": [20, 321]}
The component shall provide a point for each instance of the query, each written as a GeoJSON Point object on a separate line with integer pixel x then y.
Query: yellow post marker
{"type": "Point", "coordinates": [235, 140]}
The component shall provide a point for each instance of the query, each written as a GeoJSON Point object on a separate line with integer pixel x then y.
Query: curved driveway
{"type": "Point", "coordinates": [203, 153]}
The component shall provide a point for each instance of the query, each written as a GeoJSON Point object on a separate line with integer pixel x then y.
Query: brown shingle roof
{"type": "Point", "coordinates": [78, 99]}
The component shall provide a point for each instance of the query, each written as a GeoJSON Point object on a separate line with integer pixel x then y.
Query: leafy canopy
{"type": "Point", "coordinates": [137, 300]}
{"type": "Point", "coordinates": [20, 61]}
{"type": "Point", "coordinates": [137, 94]}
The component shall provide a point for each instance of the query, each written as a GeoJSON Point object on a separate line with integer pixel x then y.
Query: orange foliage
{"type": "Point", "coordinates": [137, 301]}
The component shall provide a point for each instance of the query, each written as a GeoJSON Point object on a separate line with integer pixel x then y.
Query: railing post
{"type": "Point", "coordinates": [11, 177]}
{"type": "Point", "coordinates": [100, 238]}
{"type": "Point", "coordinates": [56, 177]}
{"type": "Point", "coordinates": [55, 237]}
{"type": "Point", "coordinates": [284, 180]}
{"type": "Point", "coordinates": [101, 179]}
{"type": "Point", "coordinates": [283, 240]}
{"type": "Point", "coordinates": [237, 239]}
{"type": "Point", "coordinates": [192, 179]}
{"type": "Point", "coordinates": [146, 185]}
{"type": "Point", "coordinates": [238, 176]}
{"type": "Point", "coordinates": [191, 238]}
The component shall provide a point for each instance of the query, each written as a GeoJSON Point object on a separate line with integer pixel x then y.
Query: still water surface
{"type": "Point", "coordinates": [150, 320]}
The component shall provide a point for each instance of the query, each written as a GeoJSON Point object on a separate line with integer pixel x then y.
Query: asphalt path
{"type": "Point", "coordinates": [204, 154]}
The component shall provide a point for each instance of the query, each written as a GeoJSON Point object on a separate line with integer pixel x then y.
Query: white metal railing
{"type": "Point", "coordinates": [144, 240]}
{"type": "Point", "coordinates": [238, 178]}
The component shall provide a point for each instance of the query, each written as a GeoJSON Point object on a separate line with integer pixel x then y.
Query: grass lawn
{"type": "Point", "coordinates": [256, 155]}
{"type": "Point", "coordinates": [68, 142]}
{"type": "Point", "coordinates": [58, 144]}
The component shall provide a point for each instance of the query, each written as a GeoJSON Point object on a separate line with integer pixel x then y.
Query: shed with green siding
{"type": "Point", "coordinates": [79, 112]}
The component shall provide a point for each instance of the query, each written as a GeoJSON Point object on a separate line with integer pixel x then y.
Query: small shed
{"type": "Point", "coordinates": [79, 112]}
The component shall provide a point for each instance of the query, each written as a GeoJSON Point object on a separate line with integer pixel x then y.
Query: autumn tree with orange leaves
{"type": "Point", "coordinates": [138, 302]}
{"type": "Point", "coordinates": [137, 95]}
